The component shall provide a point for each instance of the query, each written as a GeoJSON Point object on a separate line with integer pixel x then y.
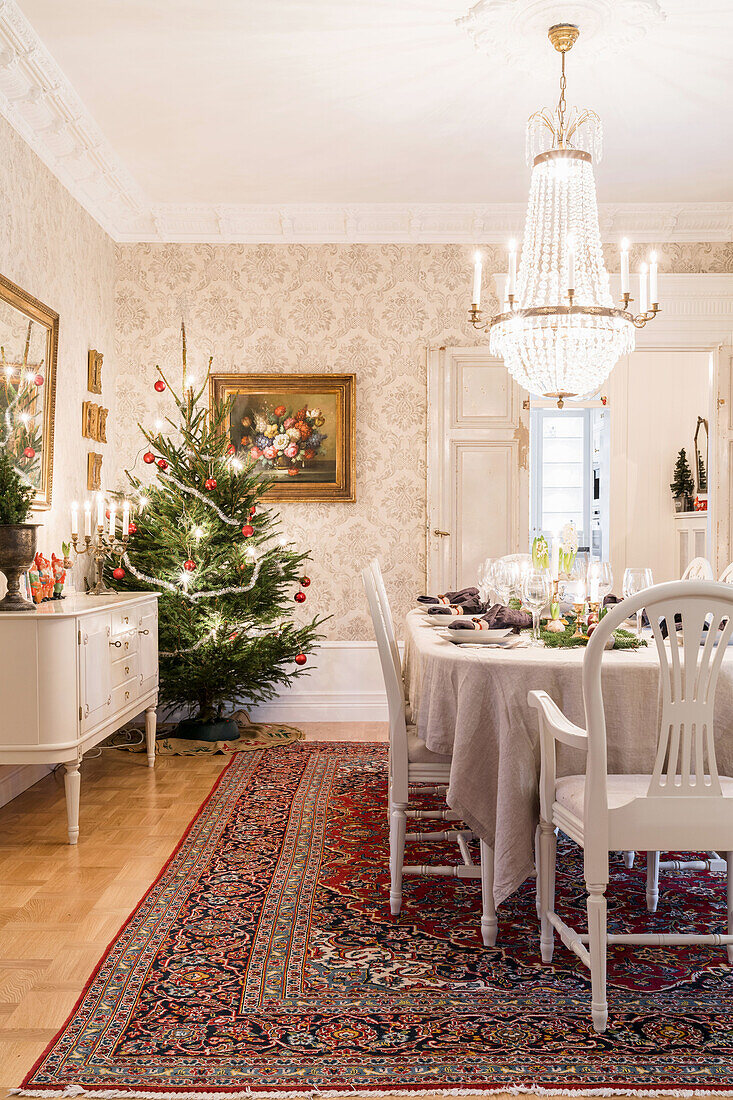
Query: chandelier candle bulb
{"type": "Point", "coordinates": [643, 299]}
{"type": "Point", "coordinates": [74, 518]}
{"type": "Point", "coordinates": [476, 298]}
{"type": "Point", "coordinates": [512, 270]}
{"type": "Point", "coordinates": [625, 267]}
{"type": "Point", "coordinates": [653, 280]}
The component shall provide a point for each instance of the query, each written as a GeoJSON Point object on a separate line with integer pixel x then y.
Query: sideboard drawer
{"type": "Point", "coordinates": [124, 620]}
{"type": "Point", "coordinates": [124, 669]}
{"type": "Point", "coordinates": [123, 695]}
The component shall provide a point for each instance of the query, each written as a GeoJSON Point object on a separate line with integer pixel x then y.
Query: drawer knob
{"type": "Point", "coordinates": [116, 644]}
{"type": "Point", "coordinates": [143, 631]}
{"type": "Point", "coordinates": [127, 670]}
{"type": "Point", "coordinates": [127, 695]}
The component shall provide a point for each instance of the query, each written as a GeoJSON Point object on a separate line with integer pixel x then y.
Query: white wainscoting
{"type": "Point", "coordinates": [344, 685]}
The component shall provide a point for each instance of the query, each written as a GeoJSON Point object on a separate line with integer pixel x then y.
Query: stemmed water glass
{"type": "Point", "coordinates": [536, 587]}
{"type": "Point", "coordinates": [503, 580]}
{"type": "Point", "coordinates": [600, 582]}
{"type": "Point", "coordinates": [636, 580]}
{"type": "Point", "coordinates": [485, 580]}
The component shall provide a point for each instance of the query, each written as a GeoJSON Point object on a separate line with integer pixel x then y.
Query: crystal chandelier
{"type": "Point", "coordinates": [559, 332]}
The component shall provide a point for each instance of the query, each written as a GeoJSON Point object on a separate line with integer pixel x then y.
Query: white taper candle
{"type": "Point", "coordinates": [74, 518]}
{"type": "Point", "coordinates": [643, 299]}
{"type": "Point", "coordinates": [476, 296]}
{"type": "Point", "coordinates": [625, 267]}
{"type": "Point", "coordinates": [87, 518]}
{"type": "Point", "coordinates": [653, 280]}
{"type": "Point", "coordinates": [125, 519]}
{"type": "Point", "coordinates": [100, 510]}
{"type": "Point", "coordinates": [112, 519]}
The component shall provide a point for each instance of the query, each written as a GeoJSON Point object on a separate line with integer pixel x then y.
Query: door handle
{"type": "Point", "coordinates": [441, 534]}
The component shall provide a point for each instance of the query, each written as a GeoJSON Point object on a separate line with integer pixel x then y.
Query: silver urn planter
{"type": "Point", "coordinates": [17, 551]}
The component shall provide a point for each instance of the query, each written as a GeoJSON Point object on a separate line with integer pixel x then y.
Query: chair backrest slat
{"type": "Point", "coordinates": [699, 569]}
{"type": "Point", "coordinates": [394, 689]}
{"type": "Point", "coordinates": [698, 618]}
{"type": "Point", "coordinates": [726, 577]}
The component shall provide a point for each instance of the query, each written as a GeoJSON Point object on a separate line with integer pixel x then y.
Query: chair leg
{"type": "Point", "coordinates": [597, 946]}
{"type": "Point", "coordinates": [729, 873]}
{"type": "Point", "coordinates": [397, 828]}
{"type": "Point", "coordinates": [489, 923]}
{"type": "Point", "coordinates": [652, 881]}
{"type": "Point", "coordinates": [546, 875]}
{"type": "Point", "coordinates": [537, 898]}
{"type": "Point", "coordinates": [629, 858]}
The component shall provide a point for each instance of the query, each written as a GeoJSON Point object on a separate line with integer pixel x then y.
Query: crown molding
{"type": "Point", "coordinates": [39, 102]}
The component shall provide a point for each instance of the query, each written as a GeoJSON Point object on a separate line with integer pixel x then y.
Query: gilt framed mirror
{"type": "Point", "coordinates": [29, 338]}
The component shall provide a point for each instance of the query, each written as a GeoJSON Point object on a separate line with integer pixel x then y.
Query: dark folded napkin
{"type": "Point", "coordinates": [433, 601]}
{"type": "Point", "coordinates": [470, 607]}
{"type": "Point", "coordinates": [462, 596]}
{"type": "Point", "coordinates": [497, 617]}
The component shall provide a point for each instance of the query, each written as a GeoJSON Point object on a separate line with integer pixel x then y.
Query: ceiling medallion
{"type": "Point", "coordinates": [514, 31]}
{"type": "Point", "coordinates": [559, 332]}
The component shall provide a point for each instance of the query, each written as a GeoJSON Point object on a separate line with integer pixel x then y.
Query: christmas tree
{"type": "Point", "coordinates": [20, 429]}
{"type": "Point", "coordinates": [682, 483]}
{"type": "Point", "coordinates": [702, 474]}
{"type": "Point", "coordinates": [201, 537]}
{"type": "Point", "coordinates": [16, 495]}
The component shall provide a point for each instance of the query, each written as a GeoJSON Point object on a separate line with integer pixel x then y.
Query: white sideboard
{"type": "Point", "coordinates": [691, 529]}
{"type": "Point", "coordinates": [72, 672]}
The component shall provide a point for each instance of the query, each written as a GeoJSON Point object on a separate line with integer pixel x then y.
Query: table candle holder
{"type": "Point", "coordinates": [99, 548]}
{"type": "Point", "coordinates": [593, 612]}
{"type": "Point", "coordinates": [579, 609]}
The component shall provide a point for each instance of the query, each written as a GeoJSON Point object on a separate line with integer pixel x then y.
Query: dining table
{"type": "Point", "coordinates": [470, 701]}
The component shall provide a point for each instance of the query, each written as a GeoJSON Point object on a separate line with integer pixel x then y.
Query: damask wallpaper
{"type": "Point", "coordinates": [55, 251]}
{"type": "Point", "coordinates": [367, 309]}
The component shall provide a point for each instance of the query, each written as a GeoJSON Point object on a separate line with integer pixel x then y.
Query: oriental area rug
{"type": "Point", "coordinates": [264, 961]}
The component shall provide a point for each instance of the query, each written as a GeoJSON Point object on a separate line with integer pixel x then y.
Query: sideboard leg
{"type": "Point", "coordinates": [72, 786]}
{"type": "Point", "coordinates": [150, 723]}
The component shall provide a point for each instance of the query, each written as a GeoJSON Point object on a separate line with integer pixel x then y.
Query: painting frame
{"type": "Point", "coordinates": [336, 390]}
{"type": "Point", "coordinates": [36, 311]}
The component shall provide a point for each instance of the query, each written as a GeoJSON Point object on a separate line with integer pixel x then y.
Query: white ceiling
{"type": "Point", "coordinates": [387, 101]}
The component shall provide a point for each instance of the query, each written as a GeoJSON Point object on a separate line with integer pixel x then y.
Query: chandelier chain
{"type": "Point", "coordinates": [561, 103]}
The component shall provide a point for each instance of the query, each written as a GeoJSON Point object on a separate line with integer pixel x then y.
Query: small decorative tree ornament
{"type": "Point", "coordinates": [159, 386]}
{"type": "Point", "coordinates": [162, 464]}
{"type": "Point", "coordinates": [118, 573]}
{"type": "Point", "coordinates": [300, 659]}
{"type": "Point", "coordinates": [38, 380]}
{"type": "Point", "coordinates": [682, 484]}
{"type": "Point", "coordinates": [305, 581]}
{"type": "Point", "coordinates": [189, 565]}
{"type": "Point", "coordinates": [210, 483]}
{"type": "Point", "coordinates": [248, 530]}
{"type": "Point", "coordinates": [149, 457]}
{"type": "Point", "coordinates": [29, 452]}
{"type": "Point", "coordinates": [132, 529]}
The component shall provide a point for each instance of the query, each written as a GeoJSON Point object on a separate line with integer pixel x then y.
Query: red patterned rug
{"type": "Point", "coordinates": [264, 960]}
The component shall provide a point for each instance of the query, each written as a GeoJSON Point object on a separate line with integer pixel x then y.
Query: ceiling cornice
{"type": "Point", "coordinates": [39, 102]}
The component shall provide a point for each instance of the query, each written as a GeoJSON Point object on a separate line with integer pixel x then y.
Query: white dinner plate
{"type": "Point", "coordinates": [480, 637]}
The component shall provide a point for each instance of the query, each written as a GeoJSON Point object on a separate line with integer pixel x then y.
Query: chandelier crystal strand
{"type": "Point", "coordinates": [561, 334]}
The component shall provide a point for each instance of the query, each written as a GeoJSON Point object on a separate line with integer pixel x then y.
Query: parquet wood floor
{"type": "Point", "coordinates": [61, 906]}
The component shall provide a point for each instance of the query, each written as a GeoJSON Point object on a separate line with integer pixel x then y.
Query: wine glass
{"type": "Point", "coordinates": [636, 580]}
{"type": "Point", "coordinates": [503, 579]}
{"type": "Point", "coordinates": [485, 580]}
{"type": "Point", "coordinates": [536, 587]}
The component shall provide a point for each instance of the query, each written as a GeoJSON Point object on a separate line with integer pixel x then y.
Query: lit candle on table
{"type": "Point", "coordinates": [653, 280]}
{"type": "Point", "coordinates": [476, 297]}
{"type": "Point", "coordinates": [100, 510]}
{"type": "Point", "coordinates": [87, 519]}
{"type": "Point", "coordinates": [125, 519]}
{"type": "Point", "coordinates": [625, 266]}
{"type": "Point", "coordinates": [74, 518]}
{"type": "Point", "coordinates": [555, 559]}
{"type": "Point", "coordinates": [112, 519]}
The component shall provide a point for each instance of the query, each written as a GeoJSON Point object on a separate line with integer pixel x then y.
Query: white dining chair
{"type": "Point", "coordinates": [682, 805]}
{"type": "Point", "coordinates": [699, 569]}
{"type": "Point", "coordinates": [414, 768]}
{"type": "Point", "coordinates": [726, 577]}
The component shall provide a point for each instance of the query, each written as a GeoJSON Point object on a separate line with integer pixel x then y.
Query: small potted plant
{"type": "Point", "coordinates": [17, 538]}
{"type": "Point", "coordinates": [682, 484]}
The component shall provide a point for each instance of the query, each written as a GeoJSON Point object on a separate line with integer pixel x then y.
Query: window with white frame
{"type": "Point", "coordinates": [569, 472]}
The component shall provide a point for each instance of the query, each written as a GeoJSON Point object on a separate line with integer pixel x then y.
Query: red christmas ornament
{"type": "Point", "coordinates": [305, 581]}
{"type": "Point", "coordinates": [252, 510]}
{"type": "Point", "coordinates": [118, 573]}
{"type": "Point", "coordinates": [106, 514]}
{"type": "Point", "coordinates": [300, 597]}
{"type": "Point", "coordinates": [29, 452]}
{"type": "Point", "coordinates": [159, 386]}
{"type": "Point", "coordinates": [162, 464]}
{"type": "Point", "coordinates": [189, 566]}
{"type": "Point", "coordinates": [300, 659]}
{"type": "Point", "coordinates": [38, 380]}
{"type": "Point", "coordinates": [231, 449]}
{"type": "Point", "coordinates": [148, 457]}
{"type": "Point", "coordinates": [210, 483]}
{"type": "Point", "coordinates": [248, 530]}
{"type": "Point", "coordinates": [132, 528]}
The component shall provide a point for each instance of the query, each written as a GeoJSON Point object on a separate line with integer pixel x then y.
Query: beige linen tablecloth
{"type": "Point", "coordinates": [472, 703]}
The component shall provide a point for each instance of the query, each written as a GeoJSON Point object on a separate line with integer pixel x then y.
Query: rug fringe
{"type": "Point", "coordinates": [313, 1093]}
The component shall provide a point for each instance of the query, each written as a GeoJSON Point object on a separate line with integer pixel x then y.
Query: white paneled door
{"type": "Point", "coordinates": [478, 465]}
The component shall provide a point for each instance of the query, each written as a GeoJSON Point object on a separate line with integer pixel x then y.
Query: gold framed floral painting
{"type": "Point", "coordinates": [298, 429]}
